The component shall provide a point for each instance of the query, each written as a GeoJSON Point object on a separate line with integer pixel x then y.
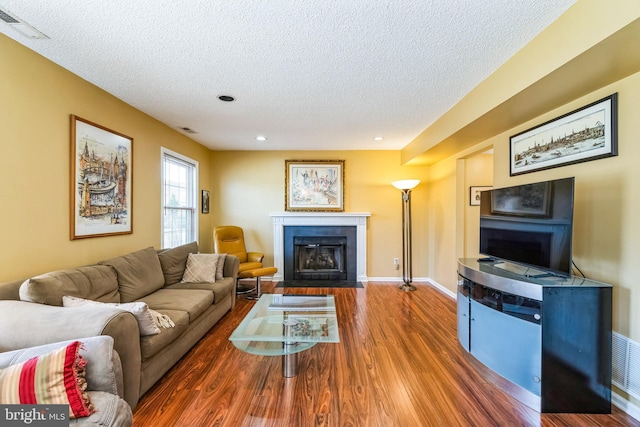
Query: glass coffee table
{"type": "Point", "coordinates": [284, 325]}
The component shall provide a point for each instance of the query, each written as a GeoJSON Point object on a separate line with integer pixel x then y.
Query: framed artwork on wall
{"type": "Point", "coordinates": [205, 201]}
{"type": "Point", "coordinates": [474, 194]}
{"type": "Point", "coordinates": [588, 133]}
{"type": "Point", "coordinates": [101, 181]}
{"type": "Point", "coordinates": [314, 185]}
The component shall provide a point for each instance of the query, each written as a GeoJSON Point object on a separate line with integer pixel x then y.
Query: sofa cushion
{"type": "Point", "coordinates": [193, 301]}
{"type": "Point", "coordinates": [55, 377]}
{"type": "Point", "coordinates": [140, 311]}
{"type": "Point", "coordinates": [221, 289]}
{"type": "Point", "coordinates": [139, 273]}
{"type": "Point", "coordinates": [220, 267]}
{"type": "Point", "coordinates": [200, 268]}
{"type": "Point", "coordinates": [174, 261]}
{"type": "Point", "coordinates": [152, 344]}
{"type": "Point", "coordinates": [95, 282]}
{"type": "Point", "coordinates": [110, 411]}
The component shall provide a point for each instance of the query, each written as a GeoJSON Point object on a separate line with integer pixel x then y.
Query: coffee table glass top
{"type": "Point", "coordinates": [276, 318]}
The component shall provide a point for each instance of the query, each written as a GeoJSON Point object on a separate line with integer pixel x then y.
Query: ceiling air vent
{"type": "Point", "coordinates": [20, 26]}
{"type": "Point", "coordinates": [8, 18]}
{"type": "Point", "coordinates": [187, 130]}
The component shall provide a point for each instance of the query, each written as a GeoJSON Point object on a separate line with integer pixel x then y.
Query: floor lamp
{"type": "Point", "coordinates": [406, 185]}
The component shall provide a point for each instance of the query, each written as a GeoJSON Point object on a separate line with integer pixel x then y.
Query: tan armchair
{"type": "Point", "coordinates": [229, 239]}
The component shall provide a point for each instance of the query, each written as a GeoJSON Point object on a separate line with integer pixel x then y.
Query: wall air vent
{"type": "Point", "coordinates": [20, 26]}
{"type": "Point", "coordinates": [626, 364]}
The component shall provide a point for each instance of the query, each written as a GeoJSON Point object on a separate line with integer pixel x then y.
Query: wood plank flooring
{"type": "Point", "coordinates": [398, 364]}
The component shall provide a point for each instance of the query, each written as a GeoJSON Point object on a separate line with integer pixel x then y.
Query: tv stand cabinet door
{"type": "Point", "coordinates": [509, 346]}
{"type": "Point", "coordinates": [464, 317]}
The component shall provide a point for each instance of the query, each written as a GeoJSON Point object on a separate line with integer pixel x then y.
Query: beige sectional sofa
{"type": "Point", "coordinates": [31, 311]}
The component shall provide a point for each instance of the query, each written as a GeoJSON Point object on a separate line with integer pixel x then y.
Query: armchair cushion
{"type": "Point", "coordinates": [52, 378]}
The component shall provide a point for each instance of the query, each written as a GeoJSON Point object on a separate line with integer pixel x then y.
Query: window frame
{"type": "Point", "coordinates": [187, 161]}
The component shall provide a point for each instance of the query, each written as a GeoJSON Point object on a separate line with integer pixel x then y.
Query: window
{"type": "Point", "coordinates": [179, 199]}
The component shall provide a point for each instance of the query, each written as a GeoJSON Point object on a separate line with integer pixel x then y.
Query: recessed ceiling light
{"type": "Point", "coordinates": [226, 98]}
{"type": "Point", "coordinates": [261, 138]}
{"type": "Point", "coordinates": [378, 138]}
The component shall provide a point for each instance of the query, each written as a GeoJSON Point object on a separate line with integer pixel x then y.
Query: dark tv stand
{"type": "Point", "coordinates": [540, 275]}
{"type": "Point", "coordinates": [545, 340]}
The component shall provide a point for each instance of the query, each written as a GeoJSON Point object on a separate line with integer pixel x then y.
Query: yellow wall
{"type": "Point", "coordinates": [39, 96]}
{"type": "Point", "coordinates": [580, 71]}
{"type": "Point", "coordinates": [606, 230]}
{"type": "Point", "coordinates": [37, 100]}
{"type": "Point", "coordinates": [478, 171]}
{"type": "Point", "coordinates": [247, 186]}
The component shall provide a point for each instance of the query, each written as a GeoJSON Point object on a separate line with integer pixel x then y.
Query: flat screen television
{"type": "Point", "coordinates": [529, 224]}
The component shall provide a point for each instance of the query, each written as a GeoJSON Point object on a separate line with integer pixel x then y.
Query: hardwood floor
{"type": "Point", "coordinates": [398, 363]}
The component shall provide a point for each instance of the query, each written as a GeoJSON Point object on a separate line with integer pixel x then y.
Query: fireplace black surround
{"type": "Point", "coordinates": [320, 253]}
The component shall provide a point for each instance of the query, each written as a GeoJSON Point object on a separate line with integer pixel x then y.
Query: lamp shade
{"type": "Point", "coordinates": [406, 184]}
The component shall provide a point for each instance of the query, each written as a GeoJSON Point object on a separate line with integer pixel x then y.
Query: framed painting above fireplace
{"type": "Point", "coordinates": [314, 185]}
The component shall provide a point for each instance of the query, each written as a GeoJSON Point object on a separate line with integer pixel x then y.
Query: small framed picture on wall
{"type": "Point", "coordinates": [474, 195]}
{"type": "Point", "coordinates": [205, 201]}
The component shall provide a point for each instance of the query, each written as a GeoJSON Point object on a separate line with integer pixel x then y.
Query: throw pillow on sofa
{"type": "Point", "coordinates": [201, 268]}
{"type": "Point", "coordinates": [174, 261]}
{"type": "Point", "coordinates": [140, 311]}
{"type": "Point", "coordinates": [52, 378]}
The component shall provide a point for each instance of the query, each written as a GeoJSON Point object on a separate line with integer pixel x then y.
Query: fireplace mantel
{"type": "Point", "coordinates": [283, 219]}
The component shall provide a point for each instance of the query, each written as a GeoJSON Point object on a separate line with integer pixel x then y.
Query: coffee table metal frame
{"type": "Point", "coordinates": [284, 325]}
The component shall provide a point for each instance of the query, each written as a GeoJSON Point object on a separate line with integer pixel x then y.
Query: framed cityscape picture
{"type": "Point", "coordinates": [101, 181]}
{"type": "Point", "coordinates": [314, 185]}
{"type": "Point", "coordinates": [585, 134]}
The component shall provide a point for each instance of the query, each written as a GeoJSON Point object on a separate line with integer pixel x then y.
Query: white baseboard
{"type": "Point", "coordinates": [424, 280]}
{"type": "Point", "coordinates": [395, 280]}
{"type": "Point", "coordinates": [626, 406]}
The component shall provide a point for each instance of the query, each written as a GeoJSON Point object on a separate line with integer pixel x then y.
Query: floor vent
{"type": "Point", "coordinates": [626, 365]}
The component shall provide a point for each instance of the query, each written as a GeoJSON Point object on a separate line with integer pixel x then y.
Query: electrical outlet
{"type": "Point", "coordinates": [396, 263]}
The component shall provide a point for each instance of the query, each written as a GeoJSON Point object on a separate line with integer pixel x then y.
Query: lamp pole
{"type": "Point", "coordinates": [407, 257]}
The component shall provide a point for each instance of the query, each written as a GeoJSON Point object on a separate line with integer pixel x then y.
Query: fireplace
{"type": "Point", "coordinates": [285, 220]}
{"type": "Point", "coordinates": [319, 258]}
{"type": "Point", "coordinates": [320, 253]}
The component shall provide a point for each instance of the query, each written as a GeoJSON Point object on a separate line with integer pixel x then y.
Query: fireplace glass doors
{"type": "Point", "coordinates": [320, 258]}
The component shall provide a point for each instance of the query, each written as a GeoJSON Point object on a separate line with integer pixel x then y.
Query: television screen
{"type": "Point", "coordinates": [529, 224]}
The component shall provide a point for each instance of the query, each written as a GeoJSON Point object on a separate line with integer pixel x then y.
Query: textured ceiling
{"type": "Point", "coordinates": [308, 74]}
